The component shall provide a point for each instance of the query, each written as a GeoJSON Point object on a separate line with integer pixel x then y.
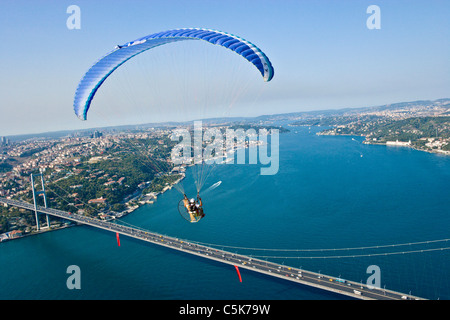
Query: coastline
{"type": "Point", "coordinates": [437, 151]}
{"type": "Point", "coordinates": [388, 143]}
{"type": "Point", "coordinates": [45, 229]}
{"type": "Point", "coordinates": [153, 195]}
{"type": "Point", "coordinates": [148, 199]}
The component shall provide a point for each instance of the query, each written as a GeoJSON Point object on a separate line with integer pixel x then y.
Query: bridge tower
{"type": "Point", "coordinates": [36, 193]}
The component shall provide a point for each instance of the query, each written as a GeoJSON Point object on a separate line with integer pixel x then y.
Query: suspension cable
{"type": "Point", "coordinates": [354, 256]}
{"type": "Point", "coordinates": [322, 250]}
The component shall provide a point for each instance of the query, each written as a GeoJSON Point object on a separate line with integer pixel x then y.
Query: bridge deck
{"type": "Point", "coordinates": [324, 282]}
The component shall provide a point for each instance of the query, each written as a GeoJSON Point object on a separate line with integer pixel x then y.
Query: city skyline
{"type": "Point", "coordinates": [324, 55]}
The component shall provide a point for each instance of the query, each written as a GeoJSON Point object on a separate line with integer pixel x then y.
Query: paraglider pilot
{"type": "Point", "coordinates": [194, 207]}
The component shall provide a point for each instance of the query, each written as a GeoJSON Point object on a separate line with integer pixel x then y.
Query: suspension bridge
{"type": "Point", "coordinates": [293, 274]}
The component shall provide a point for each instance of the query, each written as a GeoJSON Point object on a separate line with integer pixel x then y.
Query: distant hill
{"type": "Point", "coordinates": [303, 115]}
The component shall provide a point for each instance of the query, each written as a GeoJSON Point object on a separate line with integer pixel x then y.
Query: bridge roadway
{"type": "Point", "coordinates": [317, 280]}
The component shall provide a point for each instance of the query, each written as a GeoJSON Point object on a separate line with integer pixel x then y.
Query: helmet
{"type": "Point", "coordinates": [192, 200]}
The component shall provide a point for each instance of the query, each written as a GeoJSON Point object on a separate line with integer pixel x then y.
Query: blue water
{"type": "Point", "coordinates": [330, 192]}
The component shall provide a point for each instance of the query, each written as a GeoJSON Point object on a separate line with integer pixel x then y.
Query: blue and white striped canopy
{"type": "Point", "coordinates": [97, 74]}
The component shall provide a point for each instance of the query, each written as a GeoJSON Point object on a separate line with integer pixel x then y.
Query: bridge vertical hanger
{"type": "Point", "coordinates": [36, 193]}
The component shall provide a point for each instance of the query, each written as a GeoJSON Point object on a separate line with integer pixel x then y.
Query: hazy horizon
{"type": "Point", "coordinates": [162, 123]}
{"type": "Point", "coordinates": [323, 53]}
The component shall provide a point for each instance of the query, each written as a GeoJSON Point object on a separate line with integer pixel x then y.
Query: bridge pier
{"type": "Point", "coordinates": [36, 193]}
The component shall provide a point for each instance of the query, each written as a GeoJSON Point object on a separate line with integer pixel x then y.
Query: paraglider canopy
{"type": "Point", "coordinates": [104, 67]}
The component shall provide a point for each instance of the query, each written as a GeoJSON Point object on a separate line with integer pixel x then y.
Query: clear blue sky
{"type": "Point", "coordinates": [323, 54]}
